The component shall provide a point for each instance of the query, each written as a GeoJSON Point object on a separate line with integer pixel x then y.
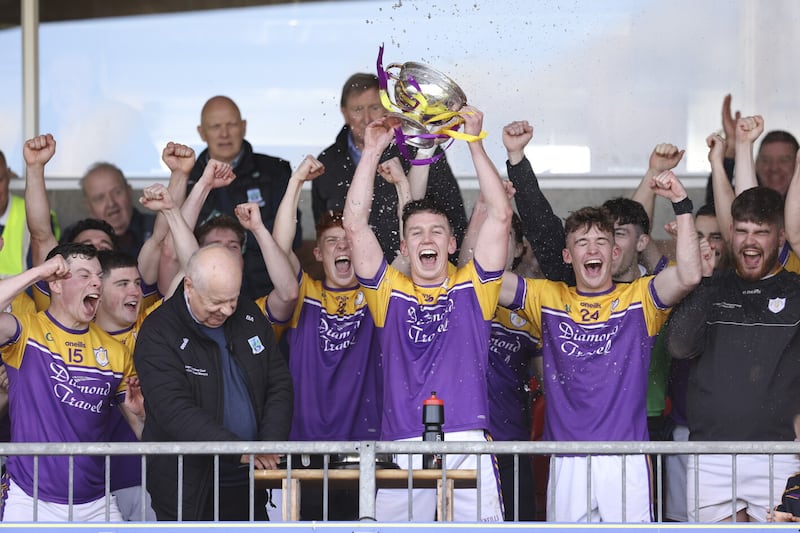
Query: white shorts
{"type": "Point", "coordinates": [391, 505]}
{"type": "Point", "coordinates": [752, 485]}
{"type": "Point", "coordinates": [19, 508]}
{"type": "Point", "coordinates": [129, 501]}
{"type": "Point", "coordinates": [566, 489]}
{"type": "Point", "coordinates": [675, 480]}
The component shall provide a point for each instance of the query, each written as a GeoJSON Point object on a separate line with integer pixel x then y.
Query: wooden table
{"type": "Point", "coordinates": [386, 478]}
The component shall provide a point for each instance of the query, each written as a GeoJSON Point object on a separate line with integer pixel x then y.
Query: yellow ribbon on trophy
{"type": "Point", "coordinates": [421, 109]}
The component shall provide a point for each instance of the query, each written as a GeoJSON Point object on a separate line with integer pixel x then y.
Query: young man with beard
{"type": "Point", "coordinates": [740, 326]}
{"type": "Point", "coordinates": [65, 374]}
{"type": "Point", "coordinates": [433, 325]}
{"type": "Point", "coordinates": [596, 343]}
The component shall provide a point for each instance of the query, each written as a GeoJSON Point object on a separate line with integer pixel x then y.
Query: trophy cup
{"type": "Point", "coordinates": [425, 109]}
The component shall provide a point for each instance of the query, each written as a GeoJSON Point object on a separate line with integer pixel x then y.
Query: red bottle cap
{"type": "Point", "coordinates": [433, 400]}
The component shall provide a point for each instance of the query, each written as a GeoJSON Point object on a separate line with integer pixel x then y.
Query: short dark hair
{"type": "Point", "coordinates": [72, 249]}
{"type": "Point", "coordinates": [328, 220]}
{"type": "Point", "coordinates": [425, 205]}
{"type": "Point", "coordinates": [112, 260]}
{"type": "Point", "coordinates": [80, 226]}
{"type": "Point", "coordinates": [589, 217]}
{"type": "Point", "coordinates": [706, 210]}
{"type": "Point", "coordinates": [357, 84]}
{"type": "Point", "coordinates": [760, 205]}
{"type": "Point", "coordinates": [779, 136]}
{"type": "Point", "coordinates": [627, 211]}
{"type": "Point", "coordinates": [221, 222]}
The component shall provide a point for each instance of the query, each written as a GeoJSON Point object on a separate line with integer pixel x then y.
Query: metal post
{"type": "Point", "coordinates": [366, 483]}
{"type": "Point", "coordinates": [29, 15]}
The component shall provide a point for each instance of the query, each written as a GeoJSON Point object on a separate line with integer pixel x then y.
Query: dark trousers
{"type": "Point", "coordinates": [234, 505]}
{"type": "Point", "coordinates": [527, 492]}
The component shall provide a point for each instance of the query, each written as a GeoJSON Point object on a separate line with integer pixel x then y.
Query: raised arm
{"type": "Point", "coordinates": [675, 282]}
{"type": "Point", "coordinates": [728, 134]}
{"type": "Point", "coordinates": [180, 160]}
{"type": "Point", "coordinates": [748, 129]}
{"type": "Point", "coordinates": [791, 210]}
{"type": "Point", "coordinates": [37, 152]}
{"type": "Point", "coordinates": [665, 156]}
{"type": "Point", "coordinates": [723, 191]}
{"type": "Point", "coordinates": [215, 175]}
{"type": "Point", "coordinates": [476, 221]}
{"type": "Point", "coordinates": [286, 217]}
{"type": "Point", "coordinates": [392, 172]}
{"type": "Point", "coordinates": [54, 268]}
{"type": "Point", "coordinates": [491, 245]}
{"type": "Point", "coordinates": [282, 272]}
{"type": "Point", "coordinates": [158, 198]}
{"type": "Point", "coordinates": [540, 225]}
{"type": "Point", "coordinates": [366, 250]}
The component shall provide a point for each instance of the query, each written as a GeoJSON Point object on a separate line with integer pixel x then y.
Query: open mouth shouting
{"type": "Point", "coordinates": [90, 303]}
{"type": "Point", "coordinates": [342, 264]}
{"type": "Point", "coordinates": [427, 257]}
{"type": "Point", "coordinates": [593, 267]}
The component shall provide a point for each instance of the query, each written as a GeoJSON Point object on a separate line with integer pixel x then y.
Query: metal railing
{"type": "Point", "coordinates": [367, 451]}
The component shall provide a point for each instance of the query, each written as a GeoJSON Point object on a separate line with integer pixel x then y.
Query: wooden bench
{"type": "Point", "coordinates": [348, 479]}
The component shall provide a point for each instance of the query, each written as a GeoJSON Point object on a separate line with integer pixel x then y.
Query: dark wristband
{"type": "Point", "coordinates": [683, 207]}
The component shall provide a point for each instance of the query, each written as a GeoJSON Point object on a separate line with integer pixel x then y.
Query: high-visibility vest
{"type": "Point", "coordinates": [16, 239]}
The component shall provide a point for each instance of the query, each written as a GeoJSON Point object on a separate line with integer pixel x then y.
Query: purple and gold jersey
{"type": "Point", "coordinates": [789, 259]}
{"type": "Point", "coordinates": [126, 470]}
{"type": "Point", "coordinates": [63, 384]}
{"type": "Point", "coordinates": [511, 347]}
{"type": "Point", "coordinates": [433, 339]}
{"type": "Point", "coordinates": [596, 353]}
{"type": "Point", "coordinates": [335, 362]}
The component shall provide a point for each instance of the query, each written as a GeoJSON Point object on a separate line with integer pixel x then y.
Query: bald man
{"type": "Point", "coordinates": [259, 178]}
{"type": "Point", "coordinates": [210, 369]}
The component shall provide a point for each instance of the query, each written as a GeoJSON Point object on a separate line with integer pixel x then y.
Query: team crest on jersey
{"type": "Point", "coordinates": [255, 344]}
{"type": "Point", "coordinates": [428, 298]}
{"type": "Point", "coordinates": [615, 304]}
{"type": "Point", "coordinates": [567, 308]}
{"type": "Point", "coordinates": [101, 356]}
{"type": "Point", "coordinates": [776, 305]}
{"type": "Point", "coordinates": [359, 298]}
{"type": "Point", "coordinates": [517, 320]}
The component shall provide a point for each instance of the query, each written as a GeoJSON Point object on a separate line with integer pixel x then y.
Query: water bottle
{"type": "Point", "coordinates": [432, 419]}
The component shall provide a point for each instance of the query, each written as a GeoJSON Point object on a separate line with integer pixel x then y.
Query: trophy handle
{"type": "Point", "coordinates": [390, 67]}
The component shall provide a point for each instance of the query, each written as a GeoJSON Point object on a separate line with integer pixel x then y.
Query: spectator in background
{"type": "Point", "coordinates": [259, 178]}
{"type": "Point", "coordinates": [360, 105]}
{"type": "Point", "coordinates": [13, 227]}
{"type": "Point", "coordinates": [775, 162]}
{"type": "Point", "coordinates": [109, 197]}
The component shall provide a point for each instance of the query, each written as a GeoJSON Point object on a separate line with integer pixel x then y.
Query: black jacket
{"type": "Point", "coordinates": [329, 190]}
{"type": "Point", "coordinates": [179, 371]}
{"type": "Point", "coordinates": [540, 225]}
{"type": "Point", "coordinates": [254, 172]}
